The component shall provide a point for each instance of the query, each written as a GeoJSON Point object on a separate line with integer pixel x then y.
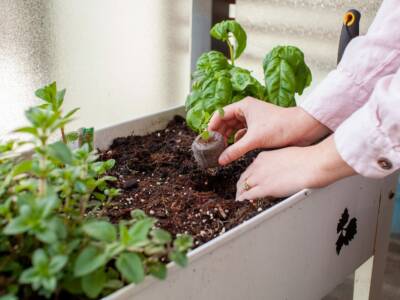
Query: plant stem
{"type": "Point", "coordinates": [83, 204]}
{"type": "Point", "coordinates": [63, 138]}
{"type": "Point", "coordinates": [42, 163]}
{"type": "Point", "coordinates": [231, 52]}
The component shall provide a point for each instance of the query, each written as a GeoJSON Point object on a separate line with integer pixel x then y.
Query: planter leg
{"type": "Point", "coordinates": [362, 280]}
{"type": "Point", "coordinates": [378, 263]}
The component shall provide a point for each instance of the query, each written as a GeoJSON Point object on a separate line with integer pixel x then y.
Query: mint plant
{"type": "Point", "coordinates": [218, 82]}
{"type": "Point", "coordinates": [54, 240]}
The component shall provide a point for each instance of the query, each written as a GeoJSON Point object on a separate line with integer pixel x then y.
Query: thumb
{"type": "Point", "coordinates": [233, 152]}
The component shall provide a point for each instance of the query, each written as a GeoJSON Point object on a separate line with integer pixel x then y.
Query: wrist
{"type": "Point", "coordinates": [305, 129]}
{"type": "Point", "coordinates": [328, 166]}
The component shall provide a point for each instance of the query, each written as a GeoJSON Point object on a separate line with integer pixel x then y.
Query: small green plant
{"type": "Point", "coordinates": [53, 239]}
{"type": "Point", "coordinates": [218, 82]}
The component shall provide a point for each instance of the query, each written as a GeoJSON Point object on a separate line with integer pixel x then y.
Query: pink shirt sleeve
{"type": "Point", "coordinates": [366, 59]}
{"type": "Point", "coordinates": [369, 140]}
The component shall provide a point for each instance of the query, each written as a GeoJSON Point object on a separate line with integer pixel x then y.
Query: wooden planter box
{"type": "Point", "coordinates": [286, 252]}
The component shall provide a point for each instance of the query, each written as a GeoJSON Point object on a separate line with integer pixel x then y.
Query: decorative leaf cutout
{"type": "Point", "coordinates": [343, 220]}
{"type": "Point", "coordinates": [346, 233]}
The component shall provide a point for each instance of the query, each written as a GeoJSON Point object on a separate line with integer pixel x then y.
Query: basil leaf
{"type": "Point", "coordinates": [243, 81]}
{"type": "Point", "coordinates": [210, 62]}
{"type": "Point", "coordinates": [285, 74]}
{"type": "Point", "coordinates": [224, 30]}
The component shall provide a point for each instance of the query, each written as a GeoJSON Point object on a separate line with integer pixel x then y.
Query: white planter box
{"type": "Point", "coordinates": [286, 252]}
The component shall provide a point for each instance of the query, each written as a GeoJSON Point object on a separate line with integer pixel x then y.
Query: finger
{"type": "Point", "coordinates": [239, 134]}
{"type": "Point", "coordinates": [247, 174]}
{"type": "Point", "coordinates": [226, 128]}
{"type": "Point", "coordinates": [252, 194]}
{"type": "Point", "coordinates": [245, 184]}
{"type": "Point", "coordinates": [238, 149]}
{"type": "Point", "coordinates": [231, 112]}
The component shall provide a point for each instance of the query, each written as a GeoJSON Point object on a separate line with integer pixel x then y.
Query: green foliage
{"type": "Point", "coordinates": [218, 82]}
{"type": "Point", "coordinates": [226, 30]}
{"type": "Point", "coordinates": [50, 242]}
{"type": "Point", "coordinates": [285, 74]}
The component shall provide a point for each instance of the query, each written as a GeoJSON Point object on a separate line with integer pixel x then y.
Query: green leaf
{"type": "Point", "coordinates": [80, 187]}
{"type": "Point", "coordinates": [28, 276]}
{"type": "Point", "coordinates": [183, 242]}
{"type": "Point", "coordinates": [205, 135]}
{"type": "Point", "coordinates": [57, 262]}
{"type": "Point", "coordinates": [89, 260]}
{"type": "Point", "coordinates": [47, 235]}
{"type": "Point", "coordinates": [8, 297]}
{"type": "Point", "coordinates": [16, 226]}
{"type": "Point", "coordinates": [243, 81]}
{"type": "Point", "coordinates": [214, 94]}
{"type": "Point", "coordinates": [285, 74]}
{"type": "Point", "coordinates": [158, 270]}
{"type": "Point", "coordinates": [101, 230]}
{"type": "Point", "coordinates": [47, 93]}
{"type": "Point", "coordinates": [30, 130]}
{"type": "Point", "coordinates": [224, 30]}
{"type": "Point", "coordinates": [43, 94]}
{"type": "Point", "coordinates": [49, 202]}
{"type": "Point", "coordinates": [40, 258]}
{"type": "Point", "coordinates": [114, 284]}
{"type": "Point", "coordinates": [22, 167]}
{"type": "Point", "coordinates": [140, 230]}
{"type": "Point", "coordinates": [71, 113]}
{"type": "Point", "coordinates": [37, 116]}
{"type": "Point", "coordinates": [280, 83]}
{"type": "Point", "coordinates": [93, 283]}
{"type": "Point", "coordinates": [61, 152]}
{"type": "Point", "coordinates": [138, 214]}
{"type": "Point", "coordinates": [49, 284]}
{"type": "Point", "coordinates": [131, 267]}
{"type": "Point", "coordinates": [72, 136]}
{"type": "Point", "coordinates": [59, 99]}
{"type": "Point", "coordinates": [210, 62]}
{"type": "Point", "coordinates": [178, 257]}
{"type": "Point", "coordinates": [109, 164]}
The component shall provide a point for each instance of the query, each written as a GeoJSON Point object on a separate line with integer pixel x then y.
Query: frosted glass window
{"type": "Point", "coordinates": [312, 25]}
{"type": "Point", "coordinates": [117, 59]}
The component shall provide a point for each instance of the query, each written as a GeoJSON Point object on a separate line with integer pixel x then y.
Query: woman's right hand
{"type": "Point", "coordinates": [259, 124]}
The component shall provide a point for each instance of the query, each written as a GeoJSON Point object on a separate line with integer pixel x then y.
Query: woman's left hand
{"type": "Point", "coordinates": [283, 172]}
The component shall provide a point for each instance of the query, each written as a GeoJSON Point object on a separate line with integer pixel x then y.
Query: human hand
{"type": "Point", "coordinates": [264, 125]}
{"type": "Point", "coordinates": [283, 172]}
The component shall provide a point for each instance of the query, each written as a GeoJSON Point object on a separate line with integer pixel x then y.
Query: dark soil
{"type": "Point", "coordinates": [157, 173]}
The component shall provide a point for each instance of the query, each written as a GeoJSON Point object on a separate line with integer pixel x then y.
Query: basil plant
{"type": "Point", "coordinates": [217, 81]}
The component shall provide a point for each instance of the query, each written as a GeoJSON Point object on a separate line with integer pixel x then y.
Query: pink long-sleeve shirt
{"type": "Point", "coordinates": [360, 100]}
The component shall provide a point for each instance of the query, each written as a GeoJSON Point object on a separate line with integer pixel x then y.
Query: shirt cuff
{"type": "Point", "coordinates": [365, 147]}
{"type": "Point", "coordinates": [335, 99]}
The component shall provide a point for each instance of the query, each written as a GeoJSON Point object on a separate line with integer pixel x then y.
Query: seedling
{"type": "Point", "coordinates": [218, 82]}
